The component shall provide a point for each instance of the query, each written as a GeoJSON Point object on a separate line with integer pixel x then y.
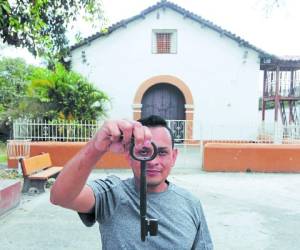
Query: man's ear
{"type": "Point", "coordinates": [175, 153]}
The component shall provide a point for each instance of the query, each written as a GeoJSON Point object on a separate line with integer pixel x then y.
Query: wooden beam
{"type": "Point", "coordinates": [263, 97]}
{"type": "Point", "coordinates": [292, 93]}
{"type": "Point", "coordinates": [277, 93]}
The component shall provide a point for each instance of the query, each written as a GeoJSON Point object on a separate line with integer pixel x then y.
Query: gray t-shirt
{"type": "Point", "coordinates": [181, 222]}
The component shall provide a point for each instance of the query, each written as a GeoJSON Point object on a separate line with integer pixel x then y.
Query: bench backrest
{"type": "Point", "coordinates": [36, 163]}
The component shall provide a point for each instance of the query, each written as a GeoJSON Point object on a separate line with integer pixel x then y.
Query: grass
{"type": "Point", "coordinates": [9, 174]}
{"type": "Point", "coordinates": [3, 154]}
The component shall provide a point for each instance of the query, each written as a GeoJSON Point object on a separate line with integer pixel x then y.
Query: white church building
{"type": "Point", "coordinates": [171, 62]}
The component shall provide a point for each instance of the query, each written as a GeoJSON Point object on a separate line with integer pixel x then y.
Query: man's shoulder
{"type": "Point", "coordinates": [106, 183]}
{"type": "Point", "coordinates": [184, 194]}
{"type": "Point", "coordinates": [110, 182]}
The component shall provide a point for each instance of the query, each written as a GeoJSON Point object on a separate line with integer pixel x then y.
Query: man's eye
{"type": "Point", "coordinates": [144, 152]}
{"type": "Point", "coordinates": [162, 152]}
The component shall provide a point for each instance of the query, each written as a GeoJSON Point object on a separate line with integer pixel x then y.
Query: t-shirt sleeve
{"type": "Point", "coordinates": [107, 197]}
{"type": "Point", "coordinates": [202, 240]}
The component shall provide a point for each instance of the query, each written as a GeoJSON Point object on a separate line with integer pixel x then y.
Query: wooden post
{"type": "Point", "coordinates": [277, 93]}
{"type": "Point", "coordinates": [292, 94]}
{"type": "Point", "coordinates": [264, 94]}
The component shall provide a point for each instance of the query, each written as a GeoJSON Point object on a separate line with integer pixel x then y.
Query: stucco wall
{"type": "Point", "coordinates": [223, 81]}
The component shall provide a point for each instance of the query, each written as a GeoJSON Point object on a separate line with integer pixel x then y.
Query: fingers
{"type": "Point", "coordinates": [118, 131]}
{"type": "Point", "coordinates": [126, 128]}
{"type": "Point", "coordinates": [142, 135]}
{"type": "Point", "coordinates": [121, 131]}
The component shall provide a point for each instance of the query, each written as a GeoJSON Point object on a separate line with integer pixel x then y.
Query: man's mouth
{"type": "Point", "coordinates": [152, 172]}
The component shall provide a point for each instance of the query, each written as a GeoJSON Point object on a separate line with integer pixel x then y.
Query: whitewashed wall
{"type": "Point", "coordinates": [224, 82]}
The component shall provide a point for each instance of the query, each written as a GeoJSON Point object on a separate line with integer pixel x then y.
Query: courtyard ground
{"type": "Point", "coordinates": [244, 211]}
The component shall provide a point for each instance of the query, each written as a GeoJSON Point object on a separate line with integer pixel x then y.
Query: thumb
{"type": "Point", "coordinates": [117, 148]}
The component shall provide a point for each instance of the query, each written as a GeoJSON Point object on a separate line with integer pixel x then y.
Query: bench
{"type": "Point", "coordinates": [36, 171]}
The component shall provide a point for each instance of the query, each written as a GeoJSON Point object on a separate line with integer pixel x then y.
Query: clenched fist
{"type": "Point", "coordinates": [115, 136]}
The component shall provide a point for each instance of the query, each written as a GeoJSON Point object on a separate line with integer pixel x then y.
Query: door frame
{"type": "Point", "coordinates": [189, 102]}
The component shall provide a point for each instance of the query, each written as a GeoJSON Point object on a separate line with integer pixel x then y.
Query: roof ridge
{"type": "Point", "coordinates": [181, 10]}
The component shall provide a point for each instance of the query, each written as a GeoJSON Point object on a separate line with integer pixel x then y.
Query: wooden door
{"type": "Point", "coordinates": [164, 100]}
{"type": "Point", "coordinates": [168, 102]}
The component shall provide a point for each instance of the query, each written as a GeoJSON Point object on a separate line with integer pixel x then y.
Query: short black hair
{"type": "Point", "coordinates": [156, 121]}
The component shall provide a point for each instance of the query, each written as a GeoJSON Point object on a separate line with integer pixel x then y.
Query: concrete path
{"type": "Point", "coordinates": [244, 211]}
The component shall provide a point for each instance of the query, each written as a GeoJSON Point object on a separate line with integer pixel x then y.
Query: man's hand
{"type": "Point", "coordinates": [69, 189]}
{"type": "Point", "coordinates": [116, 136]}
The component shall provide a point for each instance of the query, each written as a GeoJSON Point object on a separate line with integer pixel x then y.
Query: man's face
{"type": "Point", "coordinates": [159, 168]}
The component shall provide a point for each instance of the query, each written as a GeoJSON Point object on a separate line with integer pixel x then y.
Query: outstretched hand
{"type": "Point", "coordinates": [115, 136]}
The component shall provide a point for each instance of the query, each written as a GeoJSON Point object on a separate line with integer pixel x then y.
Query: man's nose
{"type": "Point", "coordinates": [153, 162]}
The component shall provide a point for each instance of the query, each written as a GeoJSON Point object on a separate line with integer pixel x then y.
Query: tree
{"type": "Point", "coordinates": [13, 74]}
{"type": "Point", "coordinates": [62, 94]}
{"type": "Point", "coordinates": [41, 25]}
{"type": "Point", "coordinates": [271, 6]}
{"type": "Point", "coordinates": [13, 82]}
{"type": "Point", "coordinates": [32, 92]}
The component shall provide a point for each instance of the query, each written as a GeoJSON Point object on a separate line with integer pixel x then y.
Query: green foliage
{"type": "Point", "coordinates": [39, 93]}
{"type": "Point", "coordinates": [9, 174]}
{"type": "Point", "coordinates": [3, 158]}
{"type": "Point", "coordinates": [269, 104]}
{"type": "Point", "coordinates": [13, 75]}
{"type": "Point", "coordinates": [63, 94]}
{"type": "Point", "coordinates": [13, 81]}
{"type": "Point", "coordinates": [41, 25]}
{"type": "Point", "coordinates": [3, 154]}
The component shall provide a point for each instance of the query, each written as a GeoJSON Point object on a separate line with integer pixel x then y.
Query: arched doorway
{"type": "Point", "coordinates": [165, 100]}
{"type": "Point", "coordinates": [188, 103]}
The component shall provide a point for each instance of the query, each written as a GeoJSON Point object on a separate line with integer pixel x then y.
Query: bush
{"type": "Point", "coordinates": [63, 94]}
{"type": "Point", "coordinates": [13, 82]}
{"type": "Point", "coordinates": [38, 93]}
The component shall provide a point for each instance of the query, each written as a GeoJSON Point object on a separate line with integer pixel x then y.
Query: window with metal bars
{"type": "Point", "coordinates": [164, 41]}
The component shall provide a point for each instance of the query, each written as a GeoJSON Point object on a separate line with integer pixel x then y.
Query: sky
{"type": "Point", "coordinates": [275, 31]}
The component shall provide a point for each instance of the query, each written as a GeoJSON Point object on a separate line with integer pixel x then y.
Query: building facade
{"type": "Point", "coordinates": [171, 62]}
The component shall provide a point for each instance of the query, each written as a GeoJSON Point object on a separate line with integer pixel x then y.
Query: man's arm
{"type": "Point", "coordinates": [70, 189]}
{"type": "Point", "coordinates": [203, 239]}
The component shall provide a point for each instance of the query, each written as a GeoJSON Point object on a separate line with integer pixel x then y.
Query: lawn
{"type": "Point", "coordinates": [3, 155]}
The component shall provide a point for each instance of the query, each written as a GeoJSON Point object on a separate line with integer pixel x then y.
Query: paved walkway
{"type": "Point", "coordinates": [244, 211]}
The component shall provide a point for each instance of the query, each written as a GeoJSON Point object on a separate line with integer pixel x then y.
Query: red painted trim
{"type": "Point", "coordinates": [61, 152]}
{"type": "Point", "coordinates": [10, 195]}
{"type": "Point", "coordinates": [228, 157]}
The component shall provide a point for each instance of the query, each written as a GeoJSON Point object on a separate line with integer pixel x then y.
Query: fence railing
{"type": "Point", "coordinates": [184, 131]}
{"type": "Point", "coordinates": [252, 133]}
{"type": "Point", "coordinates": [56, 130]}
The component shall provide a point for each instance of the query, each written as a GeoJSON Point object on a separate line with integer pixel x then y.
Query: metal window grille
{"type": "Point", "coordinates": [163, 43]}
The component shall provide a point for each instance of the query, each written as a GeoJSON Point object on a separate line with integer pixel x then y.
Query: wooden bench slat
{"type": "Point", "coordinates": [36, 163]}
{"type": "Point", "coordinates": [45, 174]}
{"type": "Point", "coordinates": [36, 170]}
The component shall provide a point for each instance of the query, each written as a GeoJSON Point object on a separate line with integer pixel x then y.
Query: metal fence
{"type": "Point", "coordinates": [18, 148]}
{"type": "Point", "coordinates": [185, 131]}
{"type": "Point", "coordinates": [56, 130]}
{"type": "Point", "coordinates": [252, 133]}
{"type": "Point", "coordinates": [182, 129]}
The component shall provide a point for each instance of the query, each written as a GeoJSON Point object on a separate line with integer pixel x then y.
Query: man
{"type": "Point", "coordinates": [114, 203]}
